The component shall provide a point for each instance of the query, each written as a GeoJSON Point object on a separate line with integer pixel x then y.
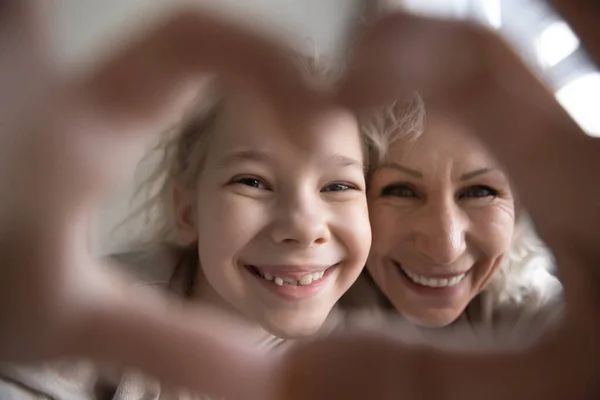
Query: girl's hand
{"type": "Point", "coordinates": [63, 143]}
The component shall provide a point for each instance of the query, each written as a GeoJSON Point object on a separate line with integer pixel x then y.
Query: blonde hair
{"type": "Point", "coordinates": [177, 159]}
{"type": "Point", "coordinates": [182, 150]}
{"type": "Point", "coordinates": [525, 270]}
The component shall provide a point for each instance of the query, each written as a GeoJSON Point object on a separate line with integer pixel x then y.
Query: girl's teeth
{"type": "Point", "coordinates": [303, 281]}
{"type": "Point", "coordinates": [435, 282]}
{"type": "Point", "coordinates": [306, 280]}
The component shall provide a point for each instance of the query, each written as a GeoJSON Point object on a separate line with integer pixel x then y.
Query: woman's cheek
{"type": "Point", "coordinates": [493, 228]}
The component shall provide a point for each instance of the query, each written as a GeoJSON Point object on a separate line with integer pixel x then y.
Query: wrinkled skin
{"type": "Point", "coordinates": [55, 168]}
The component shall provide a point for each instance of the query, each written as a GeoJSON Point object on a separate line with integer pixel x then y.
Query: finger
{"type": "Point", "coordinates": [20, 13]}
{"type": "Point", "coordinates": [111, 111]}
{"type": "Point", "coordinates": [185, 346]}
{"type": "Point", "coordinates": [359, 366]}
{"type": "Point", "coordinates": [583, 18]}
{"type": "Point", "coordinates": [139, 81]}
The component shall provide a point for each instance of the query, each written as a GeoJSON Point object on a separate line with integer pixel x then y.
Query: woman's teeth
{"type": "Point", "coordinates": [434, 282]}
{"type": "Point", "coordinates": [303, 281]}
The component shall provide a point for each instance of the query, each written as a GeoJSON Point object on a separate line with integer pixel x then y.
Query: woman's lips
{"type": "Point", "coordinates": [445, 281]}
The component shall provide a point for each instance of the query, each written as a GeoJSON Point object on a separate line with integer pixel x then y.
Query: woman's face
{"type": "Point", "coordinates": [442, 215]}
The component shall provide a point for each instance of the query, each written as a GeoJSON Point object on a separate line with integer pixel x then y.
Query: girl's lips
{"type": "Point", "coordinates": [291, 287]}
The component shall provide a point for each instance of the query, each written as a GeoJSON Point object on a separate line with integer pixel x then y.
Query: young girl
{"type": "Point", "coordinates": [264, 224]}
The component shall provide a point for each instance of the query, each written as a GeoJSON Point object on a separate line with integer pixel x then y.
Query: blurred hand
{"type": "Point", "coordinates": [64, 142]}
{"type": "Point", "coordinates": [471, 75]}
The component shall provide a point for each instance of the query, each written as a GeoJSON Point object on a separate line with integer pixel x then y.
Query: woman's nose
{"type": "Point", "coordinates": [440, 234]}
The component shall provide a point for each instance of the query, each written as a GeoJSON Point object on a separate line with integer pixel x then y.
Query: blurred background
{"type": "Point", "coordinates": [83, 30]}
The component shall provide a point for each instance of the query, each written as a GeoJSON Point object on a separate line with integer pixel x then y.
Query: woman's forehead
{"type": "Point", "coordinates": [442, 142]}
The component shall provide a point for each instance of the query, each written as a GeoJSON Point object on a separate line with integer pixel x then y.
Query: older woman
{"type": "Point", "coordinates": [450, 241]}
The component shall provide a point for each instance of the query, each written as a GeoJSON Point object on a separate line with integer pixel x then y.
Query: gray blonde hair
{"type": "Point", "coordinates": [525, 272]}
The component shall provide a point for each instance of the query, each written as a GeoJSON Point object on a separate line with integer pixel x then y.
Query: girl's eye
{"type": "Point", "coordinates": [478, 192]}
{"type": "Point", "coordinates": [399, 190]}
{"type": "Point", "coordinates": [252, 182]}
{"type": "Point", "coordinates": [338, 187]}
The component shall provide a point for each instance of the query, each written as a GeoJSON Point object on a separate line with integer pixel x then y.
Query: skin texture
{"type": "Point", "coordinates": [53, 293]}
{"type": "Point", "coordinates": [284, 203]}
{"type": "Point", "coordinates": [440, 207]}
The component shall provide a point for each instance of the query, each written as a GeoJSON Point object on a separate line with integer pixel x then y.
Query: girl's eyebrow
{"type": "Point", "coordinates": [345, 161]}
{"type": "Point", "coordinates": [245, 155]}
{"type": "Point", "coordinates": [336, 159]}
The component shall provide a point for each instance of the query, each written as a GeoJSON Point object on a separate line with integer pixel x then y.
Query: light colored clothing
{"type": "Point", "coordinates": [83, 380]}
{"type": "Point", "coordinates": [363, 307]}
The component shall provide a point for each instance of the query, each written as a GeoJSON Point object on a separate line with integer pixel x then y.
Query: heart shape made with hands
{"type": "Point", "coordinates": [65, 141]}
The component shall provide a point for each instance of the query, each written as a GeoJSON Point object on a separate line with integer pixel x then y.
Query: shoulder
{"type": "Point", "coordinates": [524, 291]}
{"type": "Point", "coordinates": [530, 305]}
{"type": "Point", "coordinates": [11, 390]}
{"type": "Point", "coordinates": [65, 380]}
{"type": "Point", "coordinates": [527, 291]}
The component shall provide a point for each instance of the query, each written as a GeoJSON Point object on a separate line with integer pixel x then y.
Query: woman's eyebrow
{"type": "Point", "coordinates": [477, 172]}
{"type": "Point", "coordinates": [399, 167]}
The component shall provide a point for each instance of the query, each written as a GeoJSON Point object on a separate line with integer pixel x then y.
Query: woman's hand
{"type": "Point", "coordinates": [471, 75]}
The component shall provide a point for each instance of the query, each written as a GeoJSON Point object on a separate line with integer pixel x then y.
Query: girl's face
{"type": "Point", "coordinates": [442, 215]}
{"type": "Point", "coordinates": [280, 217]}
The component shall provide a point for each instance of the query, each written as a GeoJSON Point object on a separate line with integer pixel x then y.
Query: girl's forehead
{"type": "Point", "coordinates": [247, 122]}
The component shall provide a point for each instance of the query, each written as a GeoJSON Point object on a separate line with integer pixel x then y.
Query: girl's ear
{"type": "Point", "coordinates": [185, 214]}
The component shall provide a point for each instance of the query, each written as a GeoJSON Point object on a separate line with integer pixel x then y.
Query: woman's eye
{"type": "Point", "coordinates": [338, 187]}
{"type": "Point", "coordinates": [398, 191]}
{"type": "Point", "coordinates": [478, 192]}
{"type": "Point", "coordinates": [252, 182]}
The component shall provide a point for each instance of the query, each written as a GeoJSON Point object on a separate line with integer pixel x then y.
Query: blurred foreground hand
{"type": "Point", "coordinates": [471, 75]}
{"type": "Point", "coordinates": [65, 141]}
